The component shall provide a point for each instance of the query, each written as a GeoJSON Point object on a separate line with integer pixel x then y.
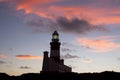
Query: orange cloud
{"type": "Point", "coordinates": [2, 56]}
{"type": "Point", "coordinates": [99, 45]}
{"type": "Point", "coordinates": [28, 57]}
{"type": "Point", "coordinates": [30, 6]}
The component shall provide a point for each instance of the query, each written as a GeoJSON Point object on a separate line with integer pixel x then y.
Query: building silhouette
{"type": "Point", "coordinates": [54, 63]}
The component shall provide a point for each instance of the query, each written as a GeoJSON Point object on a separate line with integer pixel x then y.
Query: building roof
{"type": "Point", "coordinates": [55, 32]}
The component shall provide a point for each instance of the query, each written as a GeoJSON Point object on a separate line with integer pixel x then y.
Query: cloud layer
{"type": "Point", "coordinates": [100, 44]}
{"type": "Point", "coordinates": [77, 25]}
{"type": "Point", "coordinates": [69, 16]}
{"type": "Point", "coordinates": [69, 56]}
{"type": "Point", "coordinates": [54, 8]}
{"type": "Point", "coordinates": [25, 67]}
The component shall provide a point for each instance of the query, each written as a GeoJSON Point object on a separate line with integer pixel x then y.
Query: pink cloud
{"type": "Point", "coordinates": [6, 0]}
{"type": "Point", "coordinates": [2, 56]}
{"type": "Point", "coordinates": [100, 44]}
{"type": "Point", "coordinates": [1, 0]}
{"type": "Point", "coordinates": [94, 15]}
{"type": "Point", "coordinates": [28, 57]}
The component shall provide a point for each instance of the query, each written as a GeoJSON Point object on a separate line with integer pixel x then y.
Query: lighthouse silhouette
{"type": "Point", "coordinates": [54, 63]}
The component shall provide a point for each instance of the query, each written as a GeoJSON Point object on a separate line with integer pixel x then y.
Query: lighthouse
{"type": "Point", "coordinates": [54, 63]}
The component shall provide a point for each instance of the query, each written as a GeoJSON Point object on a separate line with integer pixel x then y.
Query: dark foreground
{"type": "Point", "coordinates": [63, 76]}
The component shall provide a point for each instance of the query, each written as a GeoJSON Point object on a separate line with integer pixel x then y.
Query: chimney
{"type": "Point", "coordinates": [45, 54]}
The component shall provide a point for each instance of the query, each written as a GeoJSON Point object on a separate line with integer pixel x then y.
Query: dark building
{"type": "Point", "coordinates": [54, 63]}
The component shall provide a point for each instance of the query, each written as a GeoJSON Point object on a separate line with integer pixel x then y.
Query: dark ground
{"type": "Point", "coordinates": [107, 75]}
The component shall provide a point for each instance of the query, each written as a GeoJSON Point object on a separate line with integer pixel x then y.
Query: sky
{"type": "Point", "coordinates": [89, 32]}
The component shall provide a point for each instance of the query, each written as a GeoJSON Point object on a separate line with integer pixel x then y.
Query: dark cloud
{"type": "Point", "coordinates": [69, 44]}
{"type": "Point", "coordinates": [2, 62]}
{"type": "Point", "coordinates": [10, 49]}
{"type": "Point", "coordinates": [63, 24]}
{"type": "Point", "coordinates": [39, 24]}
{"type": "Point", "coordinates": [25, 67]}
{"type": "Point", "coordinates": [77, 26]}
{"type": "Point", "coordinates": [88, 47]}
{"type": "Point", "coordinates": [69, 56]}
{"type": "Point", "coordinates": [66, 50]}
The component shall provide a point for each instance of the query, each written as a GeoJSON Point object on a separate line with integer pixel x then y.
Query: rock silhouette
{"type": "Point", "coordinates": [107, 75]}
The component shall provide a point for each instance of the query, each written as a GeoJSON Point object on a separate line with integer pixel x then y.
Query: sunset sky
{"type": "Point", "coordinates": [89, 34]}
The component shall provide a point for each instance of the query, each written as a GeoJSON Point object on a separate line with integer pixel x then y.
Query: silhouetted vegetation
{"type": "Point", "coordinates": [107, 75]}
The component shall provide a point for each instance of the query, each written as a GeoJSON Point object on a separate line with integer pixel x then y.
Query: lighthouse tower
{"type": "Point", "coordinates": [55, 47]}
{"type": "Point", "coordinates": [54, 63]}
